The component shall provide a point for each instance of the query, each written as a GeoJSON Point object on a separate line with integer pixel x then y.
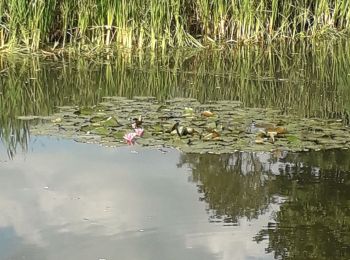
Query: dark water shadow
{"type": "Point", "coordinates": [312, 189]}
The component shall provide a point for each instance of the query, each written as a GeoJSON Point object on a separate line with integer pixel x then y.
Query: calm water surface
{"type": "Point", "coordinates": [132, 203]}
{"type": "Point", "coordinates": [63, 200]}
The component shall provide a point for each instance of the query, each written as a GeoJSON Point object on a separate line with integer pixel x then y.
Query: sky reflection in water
{"type": "Point", "coordinates": [64, 200]}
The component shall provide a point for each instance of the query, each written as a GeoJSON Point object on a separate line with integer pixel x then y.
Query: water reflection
{"type": "Point", "coordinates": [95, 202]}
{"type": "Point", "coordinates": [316, 218]}
{"type": "Point", "coordinates": [234, 186]}
{"type": "Point", "coordinates": [111, 202]}
{"type": "Point", "coordinates": [312, 188]}
{"type": "Point", "coordinates": [142, 204]}
{"type": "Point", "coordinates": [310, 80]}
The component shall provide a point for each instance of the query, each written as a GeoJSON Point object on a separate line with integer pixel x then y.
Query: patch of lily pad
{"type": "Point", "coordinates": [214, 127]}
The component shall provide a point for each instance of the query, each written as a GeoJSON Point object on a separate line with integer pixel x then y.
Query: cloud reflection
{"type": "Point", "coordinates": [70, 196]}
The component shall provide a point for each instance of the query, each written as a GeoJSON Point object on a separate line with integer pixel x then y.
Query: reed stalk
{"type": "Point", "coordinates": [154, 24]}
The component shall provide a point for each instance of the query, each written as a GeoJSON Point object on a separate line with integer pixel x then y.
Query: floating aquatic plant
{"type": "Point", "coordinates": [232, 128]}
{"type": "Point", "coordinates": [130, 138]}
{"type": "Point", "coordinates": [139, 132]}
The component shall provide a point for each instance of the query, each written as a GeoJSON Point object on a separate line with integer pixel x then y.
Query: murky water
{"type": "Point", "coordinates": [64, 200]}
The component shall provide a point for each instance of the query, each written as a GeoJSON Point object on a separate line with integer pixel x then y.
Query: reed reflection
{"type": "Point", "coordinates": [309, 80]}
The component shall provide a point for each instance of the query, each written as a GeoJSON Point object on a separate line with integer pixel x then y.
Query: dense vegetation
{"type": "Point", "coordinates": [33, 24]}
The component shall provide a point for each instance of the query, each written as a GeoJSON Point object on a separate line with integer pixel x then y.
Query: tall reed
{"type": "Point", "coordinates": [166, 23]}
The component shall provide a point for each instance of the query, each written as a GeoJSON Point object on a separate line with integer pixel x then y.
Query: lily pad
{"type": "Point", "coordinates": [84, 111]}
{"type": "Point", "coordinates": [228, 130]}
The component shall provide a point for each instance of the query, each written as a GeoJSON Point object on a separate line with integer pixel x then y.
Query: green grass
{"type": "Point", "coordinates": [30, 25]}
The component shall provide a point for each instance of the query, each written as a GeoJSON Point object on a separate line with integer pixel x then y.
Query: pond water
{"type": "Point", "coordinates": [65, 200]}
